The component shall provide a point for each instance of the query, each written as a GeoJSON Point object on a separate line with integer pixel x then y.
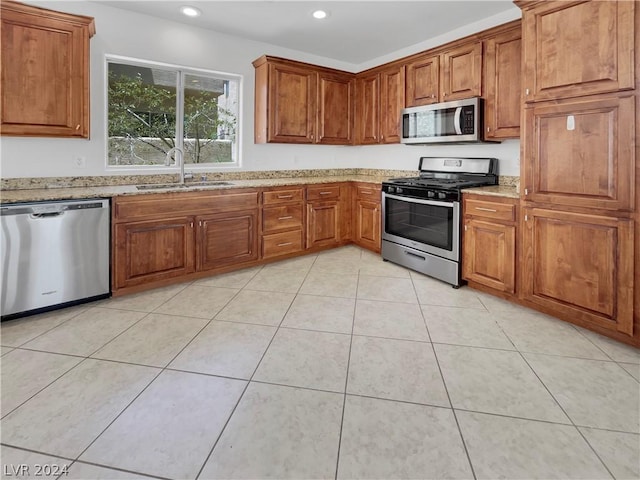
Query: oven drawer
{"type": "Point", "coordinates": [281, 243]}
{"type": "Point", "coordinates": [327, 192]}
{"type": "Point", "coordinates": [282, 196]}
{"type": "Point", "coordinates": [486, 209]}
{"type": "Point", "coordinates": [279, 218]}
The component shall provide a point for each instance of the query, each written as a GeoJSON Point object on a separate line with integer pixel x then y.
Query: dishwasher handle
{"type": "Point", "coordinates": [46, 215]}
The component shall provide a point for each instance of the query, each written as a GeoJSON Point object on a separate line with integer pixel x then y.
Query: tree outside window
{"type": "Point", "coordinates": [144, 102]}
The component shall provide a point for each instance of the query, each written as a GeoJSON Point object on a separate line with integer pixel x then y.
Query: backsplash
{"type": "Point", "coordinates": [113, 180]}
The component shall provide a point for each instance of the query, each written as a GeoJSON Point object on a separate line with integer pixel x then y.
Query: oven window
{"type": "Point", "coordinates": [427, 224]}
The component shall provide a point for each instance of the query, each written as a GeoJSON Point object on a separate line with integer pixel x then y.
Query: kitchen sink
{"type": "Point", "coordinates": [171, 186]}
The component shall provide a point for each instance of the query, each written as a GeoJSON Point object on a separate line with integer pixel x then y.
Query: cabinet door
{"type": "Point", "coordinates": [580, 153]}
{"type": "Point", "coordinates": [461, 72]}
{"type": "Point", "coordinates": [149, 251]}
{"type": "Point", "coordinates": [368, 109]}
{"type": "Point", "coordinates": [323, 223]}
{"type": "Point", "coordinates": [336, 102]}
{"type": "Point", "coordinates": [367, 224]}
{"type": "Point", "coordinates": [422, 81]}
{"type": "Point", "coordinates": [292, 104]}
{"type": "Point", "coordinates": [580, 266]}
{"type": "Point", "coordinates": [227, 239]}
{"type": "Point", "coordinates": [45, 72]}
{"type": "Point", "coordinates": [577, 48]}
{"type": "Point", "coordinates": [502, 85]}
{"type": "Point", "coordinates": [391, 103]}
{"type": "Point", "coordinates": [489, 254]}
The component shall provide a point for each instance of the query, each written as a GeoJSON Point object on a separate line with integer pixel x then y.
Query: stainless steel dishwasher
{"type": "Point", "coordinates": [53, 254]}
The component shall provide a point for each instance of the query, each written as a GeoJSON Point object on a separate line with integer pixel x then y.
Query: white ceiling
{"type": "Point", "coordinates": [354, 32]}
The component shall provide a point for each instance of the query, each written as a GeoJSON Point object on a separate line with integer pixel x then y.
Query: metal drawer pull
{"type": "Point", "coordinates": [365, 192]}
{"type": "Point", "coordinates": [285, 218]}
{"type": "Point", "coordinates": [285, 196]}
{"type": "Point", "coordinates": [326, 193]}
{"type": "Point", "coordinates": [285, 244]}
{"type": "Point", "coordinates": [486, 209]}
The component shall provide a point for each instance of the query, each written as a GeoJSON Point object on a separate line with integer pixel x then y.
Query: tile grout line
{"type": "Point", "coordinates": [455, 417]}
{"type": "Point", "coordinates": [162, 369]}
{"type": "Point", "coordinates": [224, 427]}
{"type": "Point", "coordinates": [567, 415]}
{"type": "Point", "coordinates": [346, 379]}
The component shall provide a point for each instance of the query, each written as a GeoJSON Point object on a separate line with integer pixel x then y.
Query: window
{"type": "Point", "coordinates": [144, 101]}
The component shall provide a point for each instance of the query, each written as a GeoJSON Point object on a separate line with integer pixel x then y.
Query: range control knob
{"type": "Point", "coordinates": [398, 190]}
{"type": "Point", "coordinates": [431, 194]}
{"type": "Point", "coordinates": [442, 195]}
{"type": "Point", "coordinates": [391, 189]}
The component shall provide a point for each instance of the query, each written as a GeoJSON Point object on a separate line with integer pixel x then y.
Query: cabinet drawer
{"type": "Point", "coordinates": [499, 211]}
{"type": "Point", "coordinates": [282, 196]}
{"type": "Point", "coordinates": [326, 192]}
{"type": "Point", "coordinates": [371, 193]}
{"type": "Point", "coordinates": [278, 218]}
{"type": "Point", "coordinates": [134, 207]}
{"type": "Point", "coordinates": [281, 243]}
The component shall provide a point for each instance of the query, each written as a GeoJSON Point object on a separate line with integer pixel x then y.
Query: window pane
{"type": "Point", "coordinates": [210, 117]}
{"type": "Point", "coordinates": [142, 114]}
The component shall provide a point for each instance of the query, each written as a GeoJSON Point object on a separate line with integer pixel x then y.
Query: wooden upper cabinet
{"type": "Point", "coordinates": [336, 102]}
{"type": "Point", "coordinates": [292, 104]}
{"type": "Point", "coordinates": [380, 98]}
{"type": "Point", "coordinates": [579, 266]}
{"type": "Point", "coordinates": [368, 109]}
{"type": "Point", "coordinates": [453, 74]}
{"type": "Point", "coordinates": [45, 72]}
{"type": "Point", "coordinates": [461, 72]}
{"type": "Point", "coordinates": [422, 81]}
{"type": "Point", "coordinates": [580, 153]}
{"type": "Point", "coordinates": [300, 103]}
{"type": "Point", "coordinates": [502, 85]}
{"type": "Point", "coordinates": [391, 103]}
{"type": "Point", "coordinates": [577, 48]}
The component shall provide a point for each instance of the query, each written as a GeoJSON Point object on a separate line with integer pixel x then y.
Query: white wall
{"type": "Point", "coordinates": [120, 32]}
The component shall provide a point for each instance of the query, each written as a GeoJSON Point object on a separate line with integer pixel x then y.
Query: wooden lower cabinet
{"type": "Point", "coordinates": [226, 239]}
{"type": "Point", "coordinates": [489, 242]}
{"type": "Point", "coordinates": [579, 266]}
{"type": "Point", "coordinates": [323, 223]}
{"type": "Point", "coordinates": [282, 221]}
{"type": "Point", "coordinates": [367, 216]}
{"type": "Point", "coordinates": [490, 254]}
{"type": "Point", "coordinates": [150, 251]}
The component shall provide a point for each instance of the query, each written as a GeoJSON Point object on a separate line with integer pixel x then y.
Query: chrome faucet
{"type": "Point", "coordinates": [167, 160]}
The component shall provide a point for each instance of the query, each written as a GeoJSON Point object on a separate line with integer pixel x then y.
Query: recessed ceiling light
{"type": "Point", "coordinates": [190, 11]}
{"type": "Point", "coordinates": [319, 14]}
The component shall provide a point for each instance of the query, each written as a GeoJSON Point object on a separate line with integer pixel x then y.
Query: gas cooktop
{"type": "Point", "coordinates": [442, 178]}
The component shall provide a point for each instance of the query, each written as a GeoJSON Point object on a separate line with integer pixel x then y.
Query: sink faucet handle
{"type": "Point", "coordinates": [188, 175]}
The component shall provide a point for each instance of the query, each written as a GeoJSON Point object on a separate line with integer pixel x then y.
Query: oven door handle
{"type": "Point", "coordinates": [419, 200]}
{"type": "Point", "coordinates": [456, 121]}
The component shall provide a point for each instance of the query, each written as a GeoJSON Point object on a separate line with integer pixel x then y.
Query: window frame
{"type": "Point", "coordinates": [181, 71]}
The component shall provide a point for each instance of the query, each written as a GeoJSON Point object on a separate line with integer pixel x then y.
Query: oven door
{"type": "Point", "coordinates": [426, 225]}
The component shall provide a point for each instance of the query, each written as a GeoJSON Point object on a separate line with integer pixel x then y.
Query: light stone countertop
{"type": "Point", "coordinates": [507, 191]}
{"type": "Point", "coordinates": [71, 193]}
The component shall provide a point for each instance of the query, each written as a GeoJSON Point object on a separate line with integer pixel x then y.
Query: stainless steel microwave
{"type": "Point", "coordinates": [459, 121]}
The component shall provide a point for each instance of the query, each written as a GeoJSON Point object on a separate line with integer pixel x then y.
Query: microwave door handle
{"type": "Point", "coordinates": [456, 121]}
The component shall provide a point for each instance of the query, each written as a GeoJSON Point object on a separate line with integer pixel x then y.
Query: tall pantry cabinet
{"type": "Point", "coordinates": [579, 172]}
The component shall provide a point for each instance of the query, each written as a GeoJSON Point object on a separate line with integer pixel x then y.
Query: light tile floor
{"type": "Point", "coordinates": [336, 365]}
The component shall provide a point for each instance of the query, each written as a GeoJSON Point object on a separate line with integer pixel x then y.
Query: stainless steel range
{"type": "Point", "coordinates": [421, 215]}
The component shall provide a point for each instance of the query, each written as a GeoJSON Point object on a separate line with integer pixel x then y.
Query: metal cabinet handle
{"type": "Point", "coordinates": [326, 193]}
{"type": "Point", "coordinates": [285, 196]}
{"type": "Point", "coordinates": [284, 244]}
{"type": "Point", "coordinates": [365, 192]}
{"type": "Point", "coordinates": [526, 91]}
{"type": "Point", "coordinates": [285, 218]}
